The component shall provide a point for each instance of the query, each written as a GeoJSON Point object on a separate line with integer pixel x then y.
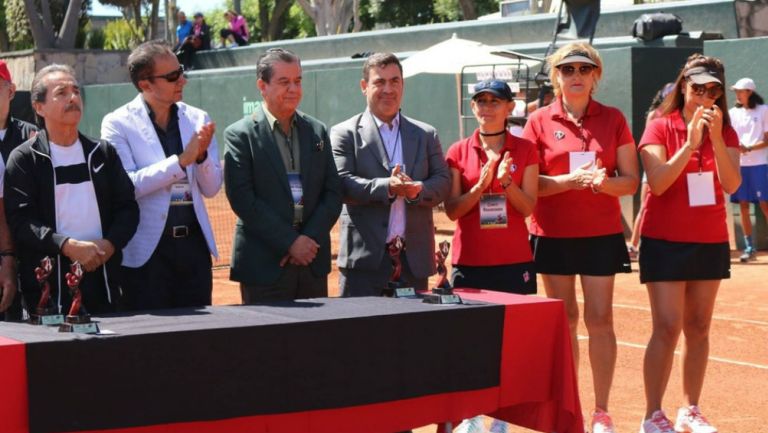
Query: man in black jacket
{"type": "Point", "coordinates": [68, 197]}
{"type": "Point", "coordinates": [13, 132]}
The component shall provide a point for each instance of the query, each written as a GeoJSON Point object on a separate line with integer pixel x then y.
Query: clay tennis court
{"type": "Point", "coordinates": [735, 394]}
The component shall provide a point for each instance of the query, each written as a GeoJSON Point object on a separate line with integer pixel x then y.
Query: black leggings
{"type": "Point", "coordinates": [225, 33]}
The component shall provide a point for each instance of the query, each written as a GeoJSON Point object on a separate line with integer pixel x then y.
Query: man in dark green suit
{"type": "Point", "coordinates": [282, 183]}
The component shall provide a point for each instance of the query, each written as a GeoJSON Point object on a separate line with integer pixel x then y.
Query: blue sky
{"type": "Point", "coordinates": [188, 6]}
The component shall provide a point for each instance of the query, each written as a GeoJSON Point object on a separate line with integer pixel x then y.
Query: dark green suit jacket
{"type": "Point", "coordinates": [257, 187]}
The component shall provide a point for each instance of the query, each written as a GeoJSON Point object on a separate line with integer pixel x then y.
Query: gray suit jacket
{"type": "Point", "coordinates": [362, 164]}
{"type": "Point", "coordinates": [256, 183]}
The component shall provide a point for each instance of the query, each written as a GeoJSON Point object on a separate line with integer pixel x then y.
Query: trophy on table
{"type": "Point", "coordinates": [442, 293]}
{"type": "Point", "coordinates": [395, 286]}
{"type": "Point", "coordinates": [45, 313]}
{"type": "Point", "coordinates": [77, 320]}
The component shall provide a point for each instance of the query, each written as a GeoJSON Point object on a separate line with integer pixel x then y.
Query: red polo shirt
{"type": "Point", "coordinates": [473, 246]}
{"type": "Point", "coordinates": [668, 216]}
{"type": "Point", "coordinates": [577, 213]}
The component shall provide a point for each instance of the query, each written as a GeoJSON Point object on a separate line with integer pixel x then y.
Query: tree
{"type": "Point", "coordinates": [143, 30]}
{"type": "Point", "coordinates": [333, 17]}
{"type": "Point", "coordinates": [273, 24]}
{"type": "Point", "coordinates": [44, 23]}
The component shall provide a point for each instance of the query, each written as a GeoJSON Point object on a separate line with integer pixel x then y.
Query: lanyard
{"type": "Point", "coordinates": [391, 156]}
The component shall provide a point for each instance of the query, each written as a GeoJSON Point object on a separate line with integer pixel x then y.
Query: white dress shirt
{"type": "Point", "coordinates": [393, 145]}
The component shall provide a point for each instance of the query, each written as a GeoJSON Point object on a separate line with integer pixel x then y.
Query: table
{"type": "Point", "coordinates": [322, 365]}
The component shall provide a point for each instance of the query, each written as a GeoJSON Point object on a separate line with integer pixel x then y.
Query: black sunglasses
{"type": "Point", "coordinates": [713, 92]}
{"type": "Point", "coordinates": [568, 70]}
{"type": "Point", "coordinates": [170, 77]}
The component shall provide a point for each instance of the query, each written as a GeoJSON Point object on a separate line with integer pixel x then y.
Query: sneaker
{"type": "Point", "coordinates": [659, 423]}
{"type": "Point", "coordinates": [602, 422]}
{"type": "Point", "coordinates": [749, 254]}
{"type": "Point", "coordinates": [690, 419]}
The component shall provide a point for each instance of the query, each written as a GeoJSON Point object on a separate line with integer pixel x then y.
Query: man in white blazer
{"type": "Point", "coordinates": [171, 155]}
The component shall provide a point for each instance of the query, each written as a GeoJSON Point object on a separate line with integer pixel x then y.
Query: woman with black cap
{"type": "Point", "coordinates": [691, 155]}
{"type": "Point", "coordinates": [494, 177]}
{"type": "Point", "coordinates": [588, 160]}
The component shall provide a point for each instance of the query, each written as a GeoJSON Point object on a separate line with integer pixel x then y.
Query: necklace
{"type": "Point", "coordinates": [492, 134]}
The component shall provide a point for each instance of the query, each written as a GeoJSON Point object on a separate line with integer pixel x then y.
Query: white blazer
{"type": "Point", "coordinates": [130, 130]}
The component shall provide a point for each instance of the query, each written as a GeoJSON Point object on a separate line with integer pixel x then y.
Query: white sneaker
{"type": "Point", "coordinates": [659, 423]}
{"type": "Point", "coordinates": [602, 422]}
{"type": "Point", "coordinates": [690, 419]}
{"type": "Point", "coordinates": [471, 425]}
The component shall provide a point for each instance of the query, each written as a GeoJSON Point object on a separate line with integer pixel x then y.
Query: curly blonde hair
{"type": "Point", "coordinates": [574, 48]}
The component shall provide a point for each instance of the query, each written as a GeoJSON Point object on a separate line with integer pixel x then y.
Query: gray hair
{"type": "Point", "coordinates": [39, 90]}
{"type": "Point", "coordinates": [266, 63]}
{"type": "Point", "coordinates": [141, 61]}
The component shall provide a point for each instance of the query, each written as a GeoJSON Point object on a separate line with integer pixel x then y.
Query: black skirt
{"type": "Point", "coordinates": [597, 255]}
{"type": "Point", "coordinates": [518, 278]}
{"type": "Point", "coordinates": [662, 260]}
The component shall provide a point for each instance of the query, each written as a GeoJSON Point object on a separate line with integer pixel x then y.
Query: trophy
{"type": "Point", "coordinates": [443, 292]}
{"type": "Point", "coordinates": [45, 313]}
{"type": "Point", "coordinates": [395, 284]}
{"type": "Point", "coordinates": [77, 319]}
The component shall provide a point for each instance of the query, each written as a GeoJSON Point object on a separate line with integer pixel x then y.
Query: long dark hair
{"type": "Point", "coordinates": [675, 101]}
{"type": "Point", "coordinates": [754, 100]}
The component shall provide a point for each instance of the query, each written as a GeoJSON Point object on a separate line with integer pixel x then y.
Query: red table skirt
{"type": "Point", "coordinates": [537, 390]}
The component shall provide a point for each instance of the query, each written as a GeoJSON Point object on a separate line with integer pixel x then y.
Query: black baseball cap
{"type": "Point", "coordinates": [497, 88]}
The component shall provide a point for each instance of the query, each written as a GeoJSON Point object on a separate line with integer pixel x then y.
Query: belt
{"type": "Point", "coordinates": [181, 231]}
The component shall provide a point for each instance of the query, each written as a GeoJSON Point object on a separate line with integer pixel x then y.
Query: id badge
{"type": "Point", "coordinates": [577, 159]}
{"type": "Point", "coordinates": [297, 193]}
{"type": "Point", "coordinates": [181, 194]}
{"type": "Point", "coordinates": [493, 211]}
{"type": "Point", "coordinates": [701, 188]}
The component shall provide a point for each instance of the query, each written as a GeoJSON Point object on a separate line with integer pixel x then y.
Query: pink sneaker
{"type": "Point", "coordinates": [659, 423]}
{"type": "Point", "coordinates": [690, 419]}
{"type": "Point", "coordinates": [602, 422]}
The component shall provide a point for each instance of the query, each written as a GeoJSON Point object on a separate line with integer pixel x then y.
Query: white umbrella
{"type": "Point", "coordinates": [452, 55]}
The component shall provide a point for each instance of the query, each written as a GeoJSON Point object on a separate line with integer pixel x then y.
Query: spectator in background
{"type": "Point", "coordinates": [199, 39]}
{"type": "Point", "coordinates": [653, 112]}
{"type": "Point", "coordinates": [237, 33]}
{"type": "Point", "coordinates": [170, 153]}
{"type": "Point", "coordinates": [13, 132]}
{"type": "Point", "coordinates": [182, 30]}
{"type": "Point", "coordinates": [750, 120]}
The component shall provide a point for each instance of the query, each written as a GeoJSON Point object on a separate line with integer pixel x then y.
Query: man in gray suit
{"type": "Point", "coordinates": [393, 173]}
{"type": "Point", "coordinates": [282, 183]}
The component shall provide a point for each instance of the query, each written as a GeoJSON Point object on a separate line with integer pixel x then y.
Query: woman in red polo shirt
{"type": "Point", "coordinates": [691, 155]}
{"type": "Point", "coordinates": [494, 177]}
{"type": "Point", "coordinates": [588, 160]}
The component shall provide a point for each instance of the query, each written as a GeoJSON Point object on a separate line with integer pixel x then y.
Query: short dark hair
{"type": "Point", "coordinates": [141, 61]}
{"type": "Point", "coordinates": [380, 60]}
{"type": "Point", "coordinates": [266, 62]}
